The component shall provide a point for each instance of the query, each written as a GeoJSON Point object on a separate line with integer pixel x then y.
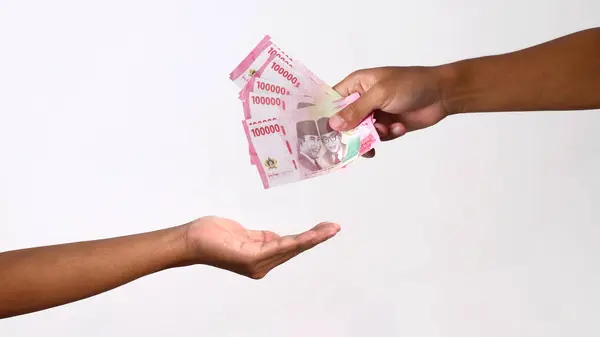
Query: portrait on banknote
{"type": "Point", "coordinates": [332, 142]}
{"type": "Point", "coordinates": [310, 147]}
{"type": "Point", "coordinates": [319, 146]}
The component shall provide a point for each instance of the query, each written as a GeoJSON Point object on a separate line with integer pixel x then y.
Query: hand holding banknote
{"type": "Point", "coordinates": [286, 118]}
{"type": "Point", "coordinates": [559, 74]}
{"type": "Point", "coordinates": [402, 99]}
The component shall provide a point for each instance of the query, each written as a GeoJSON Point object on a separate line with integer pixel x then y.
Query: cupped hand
{"type": "Point", "coordinates": [402, 99]}
{"type": "Point", "coordinates": [226, 244]}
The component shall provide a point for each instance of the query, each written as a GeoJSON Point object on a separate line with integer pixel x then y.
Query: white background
{"type": "Point", "coordinates": [118, 117]}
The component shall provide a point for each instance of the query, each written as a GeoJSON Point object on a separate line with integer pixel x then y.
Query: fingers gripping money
{"type": "Point", "coordinates": [286, 111]}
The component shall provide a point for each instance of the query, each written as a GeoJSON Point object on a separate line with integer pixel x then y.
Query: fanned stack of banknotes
{"type": "Point", "coordinates": [286, 118]}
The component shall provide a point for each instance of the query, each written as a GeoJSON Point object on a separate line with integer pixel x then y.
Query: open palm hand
{"type": "Point", "coordinates": [226, 244]}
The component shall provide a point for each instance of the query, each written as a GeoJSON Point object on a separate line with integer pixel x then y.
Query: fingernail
{"type": "Point", "coordinates": [381, 130]}
{"type": "Point", "coordinates": [397, 130]}
{"type": "Point", "coordinates": [336, 122]}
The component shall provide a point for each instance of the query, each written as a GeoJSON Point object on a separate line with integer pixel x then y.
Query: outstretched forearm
{"type": "Point", "coordinates": [40, 278]}
{"type": "Point", "coordinates": [562, 74]}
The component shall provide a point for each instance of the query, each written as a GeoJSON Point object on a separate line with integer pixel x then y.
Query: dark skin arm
{"type": "Point", "coordinates": [43, 277]}
{"type": "Point", "coordinates": [561, 74]}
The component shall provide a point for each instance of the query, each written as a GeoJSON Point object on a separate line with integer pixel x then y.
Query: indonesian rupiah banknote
{"type": "Point", "coordinates": [286, 110]}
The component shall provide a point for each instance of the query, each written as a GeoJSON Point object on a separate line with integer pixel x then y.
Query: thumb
{"type": "Point", "coordinates": [354, 113]}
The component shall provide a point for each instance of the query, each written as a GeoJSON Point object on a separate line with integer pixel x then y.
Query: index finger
{"type": "Point", "coordinates": [349, 85]}
{"type": "Point", "coordinates": [303, 241]}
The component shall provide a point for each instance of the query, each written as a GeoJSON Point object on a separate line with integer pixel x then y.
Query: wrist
{"type": "Point", "coordinates": [454, 87]}
{"type": "Point", "coordinates": [175, 246]}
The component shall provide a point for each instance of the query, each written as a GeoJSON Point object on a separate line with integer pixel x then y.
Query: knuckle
{"type": "Point", "coordinates": [358, 72]}
{"type": "Point", "coordinates": [383, 92]}
{"type": "Point", "coordinates": [357, 75]}
{"type": "Point", "coordinates": [382, 89]}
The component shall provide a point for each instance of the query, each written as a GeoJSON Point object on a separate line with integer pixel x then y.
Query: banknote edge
{"type": "Point", "coordinates": [247, 61]}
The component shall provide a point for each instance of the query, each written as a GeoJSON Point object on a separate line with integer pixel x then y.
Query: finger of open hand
{"type": "Point", "coordinates": [301, 241]}
{"type": "Point", "coordinates": [293, 245]}
{"type": "Point", "coordinates": [322, 232]}
{"type": "Point", "coordinates": [261, 235]}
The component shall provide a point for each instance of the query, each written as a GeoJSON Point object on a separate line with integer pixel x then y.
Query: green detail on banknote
{"type": "Point", "coordinates": [352, 147]}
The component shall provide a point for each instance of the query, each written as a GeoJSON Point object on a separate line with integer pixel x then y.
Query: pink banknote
{"type": "Point", "coordinates": [270, 62]}
{"type": "Point", "coordinates": [271, 155]}
{"type": "Point", "coordinates": [266, 105]}
{"type": "Point", "coordinates": [257, 84]}
{"type": "Point", "coordinates": [286, 111]}
{"type": "Point", "coordinates": [261, 104]}
{"type": "Point", "coordinates": [300, 144]}
{"type": "Point", "coordinates": [318, 149]}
